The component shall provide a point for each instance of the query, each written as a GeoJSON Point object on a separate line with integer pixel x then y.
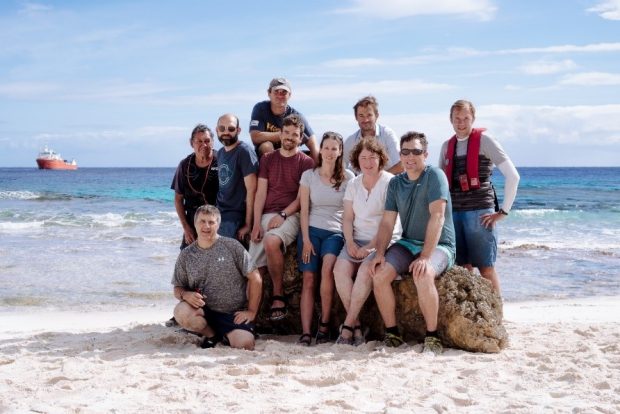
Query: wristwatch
{"type": "Point", "coordinates": [502, 211]}
{"type": "Point", "coordinates": [283, 215]}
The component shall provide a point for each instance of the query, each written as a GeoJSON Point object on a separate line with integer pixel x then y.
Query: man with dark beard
{"type": "Point", "coordinates": [238, 165]}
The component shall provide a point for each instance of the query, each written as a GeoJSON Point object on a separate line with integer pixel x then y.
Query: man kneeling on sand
{"type": "Point", "coordinates": [211, 278]}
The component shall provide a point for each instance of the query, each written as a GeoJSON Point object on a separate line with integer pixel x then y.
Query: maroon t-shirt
{"type": "Point", "coordinates": [283, 175]}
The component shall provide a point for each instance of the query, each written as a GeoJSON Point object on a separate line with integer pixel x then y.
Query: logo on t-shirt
{"type": "Point", "coordinates": [224, 174]}
{"type": "Point", "coordinates": [254, 123]}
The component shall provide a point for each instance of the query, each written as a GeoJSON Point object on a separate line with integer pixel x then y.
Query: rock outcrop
{"type": "Point", "coordinates": [470, 314]}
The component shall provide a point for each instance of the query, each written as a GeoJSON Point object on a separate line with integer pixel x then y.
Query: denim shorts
{"type": "Point", "coordinates": [401, 257]}
{"type": "Point", "coordinates": [324, 242]}
{"type": "Point", "coordinates": [475, 244]}
{"type": "Point", "coordinates": [222, 323]}
{"type": "Point", "coordinates": [229, 228]}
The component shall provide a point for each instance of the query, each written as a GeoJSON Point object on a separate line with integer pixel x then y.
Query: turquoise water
{"type": "Point", "coordinates": [108, 238]}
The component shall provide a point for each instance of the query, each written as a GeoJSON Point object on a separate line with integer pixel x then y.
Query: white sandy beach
{"type": "Point", "coordinates": [564, 356]}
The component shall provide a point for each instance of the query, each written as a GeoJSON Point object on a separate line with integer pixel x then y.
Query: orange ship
{"type": "Point", "coordinates": [50, 160]}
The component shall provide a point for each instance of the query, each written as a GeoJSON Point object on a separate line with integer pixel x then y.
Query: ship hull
{"type": "Point", "coordinates": [55, 165]}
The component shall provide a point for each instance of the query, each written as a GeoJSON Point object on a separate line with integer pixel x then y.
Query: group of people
{"type": "Point", "coordinates": [364, 211]}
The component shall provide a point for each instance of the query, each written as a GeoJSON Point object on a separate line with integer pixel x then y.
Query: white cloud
{"type": "Point", "coordinates": [25, 90]}
{"type": "Point", "coordinates": [29, 8]}
{"type": "Point", "coordinates": [591, 79]}
{"type": "Point", "coordinates": [352, 91]}
{"type": "Point", "coordinates": [608, 9]}
{"type": "Point", "coordinates": [395, 9]}
{"type": "Point", "coordinates": [545, 67]}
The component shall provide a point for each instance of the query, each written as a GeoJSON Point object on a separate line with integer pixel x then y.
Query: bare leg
{"type": "Point", "coordinates": [361, 290]}
{"type": "Point", "coordinates": [275, 264]}
{"type": "Point", "coordinates": [327, 286]}
{"type": "Point", "coordinates": [491, 275]}
{"type": "Point", "coordinates": [306, 305]}
{"type": "Point", "coordinates": [240, 338]}
{"type": "Point", "coordinates": [192, 319]}
{"type": "Point", "coordinates": [428, 297]}
{"type": "Point", "coordinates": [384, 294]}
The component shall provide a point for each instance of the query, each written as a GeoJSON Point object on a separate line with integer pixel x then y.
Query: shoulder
{"type": "Point", "coordinates": [385, 131]}
{"type": "Point", "coordinates": [351, 138]}
{"type": "Point", "coordinates": [308, 175]}
{"type": "Point", "coordinates": [262, 106]}
{"type": "Point", "coordinates": [386, 176]}
{"type": "Point", "coordinates": [348, 175]}
{"type": "Point", "coordinates": [306, 160]}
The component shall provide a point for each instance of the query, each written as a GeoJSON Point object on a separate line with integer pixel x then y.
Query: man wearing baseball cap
{"type": "Point", "coordinates": [267, 116]}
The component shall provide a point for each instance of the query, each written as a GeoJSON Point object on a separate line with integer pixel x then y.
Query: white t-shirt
{"type": "Point", "coordinates": [325, 201]}
{"type": "Point", "coordinates": [368, 207]}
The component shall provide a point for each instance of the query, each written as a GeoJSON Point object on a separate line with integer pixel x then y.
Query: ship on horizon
{"type": "Point", "coordinates": [48, 159]}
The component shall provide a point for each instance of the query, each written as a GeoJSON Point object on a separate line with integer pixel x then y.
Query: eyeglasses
{"type": "Point", "coordinates": [222, 128]}
{"type": "Point", "coordinates": [415, 151]}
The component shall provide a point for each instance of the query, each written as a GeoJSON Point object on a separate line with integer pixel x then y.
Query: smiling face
{"type": "Point", "coordinates": [413, 157]}
{"type": "Point", "coordinates": [462, 121]}
{"type": "Point", "coordinates": [227, 130]}
{"type": "Point", "coordinates": [279, 100]}
{"type": "Point", "coordinates": [367, 120]}
{"type": "Point", "coordinates": [202, 143]}
{"type": "Point", "coordinates": [290, 136]}
{"type": "Point", "coordinates": [330, 150]}
{"type": "Point", "coordinates": [207, 226]}
{"type": "Point", "coordinates": [369, 162]}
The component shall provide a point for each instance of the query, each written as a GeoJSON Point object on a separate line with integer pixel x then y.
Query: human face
{"type": "Point", "coordinates": [412, 163]}
{"type": "Point", "coordinates": [330, 150]}
{"type": "Point", "coordinates": [202, 143]}
{"type": "Point", "coordinates": [290, 137]}
{"type": "Point", "coordinates": [279, 100]}
{"type": "Point", "coordinates": [367, 120]}
{"type": "Point", "coordinates": [207, 226]}
{"type": "Point", "coordinates": [462, 121]}
{"type": "Point", "coordinates": [369, 162]}
{"type": "Point", "coordinates": [227, 130]}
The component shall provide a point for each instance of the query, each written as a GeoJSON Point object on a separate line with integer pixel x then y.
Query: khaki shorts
{"type": "Point", "coordinates": [287, 232]}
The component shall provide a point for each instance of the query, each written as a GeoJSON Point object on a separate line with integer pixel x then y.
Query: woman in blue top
{"type": "Point", "coordinates": [321, 192]}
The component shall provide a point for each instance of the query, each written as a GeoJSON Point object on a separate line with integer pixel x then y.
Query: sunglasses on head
{"type": "Point", "coordinates": [222, 128]}
{"type": "Point", "coordinates": [415, 151]}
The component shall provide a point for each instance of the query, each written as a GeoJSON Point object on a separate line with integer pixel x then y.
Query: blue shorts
{"type": "Point", "coordinates": [229, 228]}
{"type": "Point", "coordinates": [222, 323]}
{"type": "Point", "coordinates": [324, 242]}
{"type": "Point", "coordinates": [475, 244]}
{"type": "Point", "coordinates": [401, 257]}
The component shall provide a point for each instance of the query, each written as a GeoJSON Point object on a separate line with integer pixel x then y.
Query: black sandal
{"type": "Point", "coordinates": [304, 339]}
{"type": "Point", "coordinates": [209, 342]}
{"type": "Point", "coordinates": [322, 337]}
{"type": "Point", "coordinates": [280, 311]}
{"type": "Point", "coordinates": [342, 340]}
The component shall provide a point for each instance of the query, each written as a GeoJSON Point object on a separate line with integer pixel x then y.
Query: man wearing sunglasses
{"type": "Point", "coordinates": [267, 117]}
{"type": "Point", "coordinates": [421, 198]}
{"type": "Point", "coordinates": [238, 166]}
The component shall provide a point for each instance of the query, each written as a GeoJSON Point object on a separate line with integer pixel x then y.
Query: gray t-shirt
{"type": "Point", "coordinates": [325, 201]}
{"type": "Point", "coordinates": [411, 200]}
{"type": "Point", "coordinates": [234, 166]}
{"type": "Point", "coordinates": [219, 273]}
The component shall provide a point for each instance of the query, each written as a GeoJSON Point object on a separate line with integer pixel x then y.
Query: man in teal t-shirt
{"type": "Point", "coordinates": [421, 197]}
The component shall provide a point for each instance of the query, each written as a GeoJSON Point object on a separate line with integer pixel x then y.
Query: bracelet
{"type": "Point", "coordinates": [502, 211]}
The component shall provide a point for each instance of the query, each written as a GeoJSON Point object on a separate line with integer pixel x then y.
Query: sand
{"type": "Point", "coordinates": [564, 356]}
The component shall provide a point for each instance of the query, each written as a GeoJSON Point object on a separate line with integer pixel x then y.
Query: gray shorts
{"type": "Point", "coordinates": [287, 232]}
{"type": "Point", "coordinates": [400, 258]}
{"type": "Point", "coordinates": [344, 255]}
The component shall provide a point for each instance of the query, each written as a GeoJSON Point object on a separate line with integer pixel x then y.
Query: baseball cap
{"type": "Point", "coordinates": [280, 83]}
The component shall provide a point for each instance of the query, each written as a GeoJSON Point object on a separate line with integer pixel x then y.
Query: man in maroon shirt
{"type": "Point", "coordinates": [276, 206]}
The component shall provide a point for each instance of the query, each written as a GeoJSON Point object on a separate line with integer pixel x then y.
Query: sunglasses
{"type": "Point", "coordinates": [222, 128]}
{"type": "Point", "coordinates": [415, 151]}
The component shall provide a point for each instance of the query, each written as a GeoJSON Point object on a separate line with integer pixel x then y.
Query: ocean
{"type": "Point", "coordinates": [108, 238]}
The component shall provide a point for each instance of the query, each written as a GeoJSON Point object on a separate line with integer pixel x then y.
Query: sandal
{"type": "Point", "coordinates": [322, 337]}
{"type": "Point", "coordinates": [304, 339]}
{"type": "Point", "coordinates": [279, 312]}
{"type": "Point", "coordinates": [392, 341]}
{"type": "Point", "coordinates": [209, 342]}
{"type": "Point", "coordinates": [359, 339]}
{"type": "Point", "coordinates": [342, 340]}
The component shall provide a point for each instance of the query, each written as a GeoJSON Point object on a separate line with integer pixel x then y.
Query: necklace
{"type": "Point", "coordinates": [189, 181]}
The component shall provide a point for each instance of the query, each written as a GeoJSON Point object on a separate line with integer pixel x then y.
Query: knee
{"type": "Point", "coordinates": [265, 147]}
{"type": "Point", "coordinates": [246, 342]}
{"type": "Point", "coordinates": [272, 244]}
{"type": "Point", "coordinates": [383, 278]}
{"type": "Point", "coordinates": [308, 280]}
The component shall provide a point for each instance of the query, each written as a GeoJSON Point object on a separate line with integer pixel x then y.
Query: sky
{"type": "Point", "coordinates": [122, 83]}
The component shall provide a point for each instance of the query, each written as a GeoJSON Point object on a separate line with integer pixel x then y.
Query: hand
{"type": "Point", "coordinates": [188, 234]}
{"type": "Point", "coordinates": [376, 261]}
{"type": "Point", "coordinates": [257, 233]}
{"type": "Point", "coordinates": [243, 232]}
{"type": "Point", "coordinates": [308, 249]}
{"type": "Point", "coordinates": [364, 251]}
{"type": "Point", "coordinates": [275, 222]}
{"type": "Point", "coordinates": [489, 220]}
{"type": "Point", "coordinates": [244, 317]}
{"type": "Point", "coordinates": [352, 249]}
{"type": "Point", "coordinates": [194, 299]}
{"type": "Point", "coordinates": [419, 266]}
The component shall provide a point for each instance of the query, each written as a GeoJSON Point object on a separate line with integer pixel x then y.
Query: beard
{"type": "Point", "coordinates": [228, 140]}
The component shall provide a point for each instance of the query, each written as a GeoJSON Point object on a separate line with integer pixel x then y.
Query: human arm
{"type": "Point", "coordinates": [258, 137]}
{"type": "Point", "coordinates": [434, 226]}
{"type": "Point", "coordinates": [382, 239]}
{"type": "Point", "coordinates": [194, 299]}
{"type": "Point", "coordinates": [259, 204]}
{"type": "Point", "coordinates": [511, 182]}
{"type": "Point", "coordinates": [312, 147]}
{"type": "Point", "coordinates": [277, 220]}
{"type": "Point", "coordinates": [304, 219]}
{"type": "Point", "coordinates": [255, 290]}
{"type": "Point", "coordinates": [250, 182]}
{"type": "Point", "coordinates": [188, 232]}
